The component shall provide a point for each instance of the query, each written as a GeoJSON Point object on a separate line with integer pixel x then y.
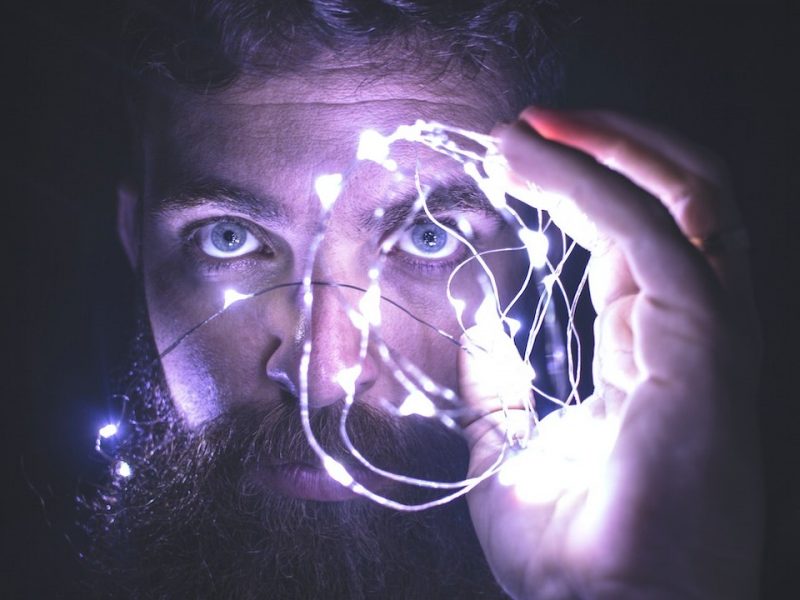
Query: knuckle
{"type": "Point", "coordinates": [696, 205]}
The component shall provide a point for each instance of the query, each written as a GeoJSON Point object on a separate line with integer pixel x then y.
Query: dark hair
{"type": "Point", "coordinates": [209, 44]}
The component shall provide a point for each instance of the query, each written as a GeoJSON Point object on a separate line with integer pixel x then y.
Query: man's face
{"type": "Point", "coordinates": [230, 204]}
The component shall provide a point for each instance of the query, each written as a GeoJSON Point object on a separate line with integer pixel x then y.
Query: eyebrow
{"type": "Point", "coordinates": [458, 196]}
{"type": "Point", "coordinates": [224, 195]}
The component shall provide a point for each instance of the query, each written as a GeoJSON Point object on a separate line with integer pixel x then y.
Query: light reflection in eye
{"type": "Point", "coordinates": [427, 240]}
{"type": "Point", "coordinates": [226, 239]}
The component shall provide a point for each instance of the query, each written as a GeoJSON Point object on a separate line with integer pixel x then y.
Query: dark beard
{"type": "Point", "coordinates": [196, 521]}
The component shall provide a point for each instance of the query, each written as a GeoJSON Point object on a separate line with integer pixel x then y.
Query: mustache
{"type": "Point", "coordinates": [250, 434]}
{"type": "Point", "coordinates": [195, 519]}
{"type": "Point", "coordinates": [261, 435]}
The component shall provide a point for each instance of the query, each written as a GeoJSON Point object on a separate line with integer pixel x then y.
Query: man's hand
{"type": "Point", "coordinates": [673, 508]}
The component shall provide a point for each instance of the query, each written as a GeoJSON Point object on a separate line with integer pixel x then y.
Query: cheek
{"type": "Point", "coordinates": [415, 329]}
{"type": "Point", "coordinates": [416, 336]}
{"type": "Point", "coordinates": [427, 350]}
{"type": "Point", "coordinates": [222, 364]}
{"type": "Point", "coordinates": [214, 360]}
{"type": "Point", "coordinates": [192, 385]}
{"type": "Point", "coordinates": [175, 302]}
{"type": "Point", "coordinates": [183, 294]}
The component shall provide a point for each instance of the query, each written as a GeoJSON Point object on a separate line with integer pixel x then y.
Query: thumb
{"type": "Point", "coordinates": [495, 384]}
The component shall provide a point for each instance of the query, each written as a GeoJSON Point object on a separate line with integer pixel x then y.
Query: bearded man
{"type": "Point", "coordinates": [239, 107]}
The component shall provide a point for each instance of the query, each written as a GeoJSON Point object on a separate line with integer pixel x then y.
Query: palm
{"type": "Point", "coordinates": [671, 510]}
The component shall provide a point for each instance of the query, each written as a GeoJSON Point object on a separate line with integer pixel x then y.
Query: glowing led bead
{"type": "Point", "coordinates": [347, 379]}
{"type": "Point", "coordinates": [337, 472]}
{"type": "Point", "coordinates": [566, 453]}
{"type": "Point", "coordinates": [328, 188]}
{"type": "Point", "coordinates": [388, 244]}
{"type": "Point", "coordinates": [494, 192]}
{"type": "Point", "coordinates": [465, 227]}
{"type": "Point", "coordinates": [411, 133]}
{"type": "Point", "coordinates": [536, 476]}
{"type": "Point", "coordinates": [537, 245]}
{"type": "Point", "coordinates": [513, 325]}
{"type": "Point", "coordinates": [513, 470]}
{"type": "Point", "coordinates": [495, 165]}
{"type": "Point", "coordinates": [358, 320]}
{"type": "Point", "coordinates": [123, 469]}
{"type": "Point", "coordinates": [379, 212]}
{"type": "Point", "coordinates": [107, 431]}
{"type": "Point", "coordinates": [370, 305]}
{"type": "Point", "coordinates": [540, 479]}
{"type": "Point", "coordinates": [471, 169]}
{"type": "Point", "coordinates": [375, 147]}
{"type": "Point", "coordinates": [417, 403]}
{"type": "Point", "coordinates": [308, 298]}
{"type": "Point", "coordinates": [486, 315]}
{"type": "Point", "coordinates": [459, 306]}
{"type": "Point", "coordinates": [231, 296]}
{"type": "Point", "coordinates": [448, 422]}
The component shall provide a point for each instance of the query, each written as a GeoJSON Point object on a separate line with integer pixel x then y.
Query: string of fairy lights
{"type": "Point", "coordinates": [562, 450]}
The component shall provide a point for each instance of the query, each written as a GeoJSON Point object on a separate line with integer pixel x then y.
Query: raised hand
{"type": "Point", "coordinates": [671, 508]}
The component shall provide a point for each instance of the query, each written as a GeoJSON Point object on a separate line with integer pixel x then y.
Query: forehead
{"type": "Point", "coordinates": [301, 125]}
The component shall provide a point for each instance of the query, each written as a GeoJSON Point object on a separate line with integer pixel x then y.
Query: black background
{"type": "Point", "coordinates": [720, 72]}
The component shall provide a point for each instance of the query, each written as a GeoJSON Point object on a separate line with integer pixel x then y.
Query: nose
{"type": "Point", "coordinates": [334, 363]}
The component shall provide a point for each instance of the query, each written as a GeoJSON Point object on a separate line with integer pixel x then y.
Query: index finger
{"type": "Point", "coordinates": [687, 179]}
{"type": "Point", "coordinates": [663, 264]}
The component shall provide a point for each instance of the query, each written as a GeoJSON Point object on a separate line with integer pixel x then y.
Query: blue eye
{"type": "Point", "coordinates": [226, 239]}
{"type": "Point", "coordinates": [427, 240]}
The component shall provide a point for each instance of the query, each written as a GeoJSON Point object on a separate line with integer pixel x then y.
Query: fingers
{"type": "Point", "coordinates": [688, 180]}
{"type": "Point", "coordinates": [496, 384]}
{"type": "Point", "coordinates": [661, 263]}
{"type": "Point", "coordinates": [591, 128]}
{"type": "Point", "coordinates": [614, 363]}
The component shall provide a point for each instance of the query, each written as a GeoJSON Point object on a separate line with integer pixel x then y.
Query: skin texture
{"type": "Point", "coordinates": [674, 509]}
{"type": "Point", "coordinates": [273, 140]}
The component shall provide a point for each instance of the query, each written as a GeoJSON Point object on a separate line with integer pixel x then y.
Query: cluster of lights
{"type": "Point", "coordinates": [566, 451]}
{"type": "Point", "coordinates": [537, 463]}
{"type": "Point", "coordinates": [515, 462]}
{"type": "Point", "coordinates": [105, 434]}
